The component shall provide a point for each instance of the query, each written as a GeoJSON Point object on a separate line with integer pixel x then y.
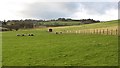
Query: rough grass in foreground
{"type": "Point", "coordinates": [49, 49]}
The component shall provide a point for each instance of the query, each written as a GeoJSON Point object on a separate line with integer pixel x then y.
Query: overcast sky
{"type": "Point", "coordinates": [103, 10]}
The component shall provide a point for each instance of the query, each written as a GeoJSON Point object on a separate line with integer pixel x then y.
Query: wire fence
{"type": "Point", "coordinates": [96, 31]}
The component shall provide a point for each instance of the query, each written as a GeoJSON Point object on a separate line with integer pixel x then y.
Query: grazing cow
{"type": "Point", "coordinates": [29, 35]}
{"type": "Point", "coordinates": [32, 35]}
{"type": "Point", "coordinates": [56, 32]}
{"type": "Point", "coordinates": [60, 32]}
{"type": "Point", "coordinates": [18, 34]}
{"type": "Point", "coordinates": [23, 35]}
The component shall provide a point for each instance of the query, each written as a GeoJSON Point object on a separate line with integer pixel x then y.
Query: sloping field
{"type": "Point", "coordinates": [111, 25]}
{"type": "Point", "coordinates": [66, 49]}
{"type": "Point", "coordinates": [0, 49]}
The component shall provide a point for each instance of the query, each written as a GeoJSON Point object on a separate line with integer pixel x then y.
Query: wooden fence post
{"type": "Point", "coordinates": [80, 31]}
{"type": "Point", "coordinates": [97, 31]}
{"type": "Point", "coordinates": [103, 31]}
{"type": "Point", "coordinates": [116, 32]}
{"type": "Point", "coordinates": [100, 31]}
{"type": "Point", "coordinates": [84, 32]}
{"type": "Point", "coordinates": [76, 32]}
{"type": "Point", "coordinates": [94, 31]}
{"type": "Point", "coordinates": [111, 32]}
{"type": "Point", "coordinates": [90, 31]}
{"type": "Point", "coordinates": [107, 32]}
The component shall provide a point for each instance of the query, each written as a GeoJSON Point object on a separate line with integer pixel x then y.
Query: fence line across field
{"type": "Point", "coordinates": [95, 31]}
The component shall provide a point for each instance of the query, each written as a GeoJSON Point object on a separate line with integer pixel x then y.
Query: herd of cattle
{"type": "Point", "coordinates": [25, 34]}
{"type": "Point", "coordinates": [31, 34]}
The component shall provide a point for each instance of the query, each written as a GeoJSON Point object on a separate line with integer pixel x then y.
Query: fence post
{"type": "Point", "coordinates": [103, 31]}
{"type": "Point", "coordinates": [100, 31]}
{"type": "Point", "coordinates": [111, 32]}
{"type": "Point", "coordinates": [89, 31]}
{"type": "Point", "coordinates": [97, 31]}
{"type": "Point", "coordinates": [107, 32]}
{"type": "Point", "coordinates": [94, 31]}
{"type": "Point", "coordinates": [67, 31]}
{"type": "Point", "coordinates": [76, 32]}
{"type": "Point", "coordinates": [84, 32]}
{"type": "Point", "coordinates": [116, 32]}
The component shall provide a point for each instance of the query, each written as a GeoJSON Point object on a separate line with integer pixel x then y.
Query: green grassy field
{"type": "Point", "coordinates": [50, 49]}
{"type": "Point", "coordinates": [0, 49]}
{"type": "Point", "coordinates": [58, 23]}
{"type": "Point", "coordinates": [111, 24]}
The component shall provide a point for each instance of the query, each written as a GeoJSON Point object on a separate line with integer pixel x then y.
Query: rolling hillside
{"type": "Point", "coordinates": [50, 49]}
{"type": "Point", "coordinates": [110, 25]}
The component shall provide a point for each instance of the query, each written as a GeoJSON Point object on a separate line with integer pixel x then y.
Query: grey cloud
{"type": "Point", "coordinates": [119, 10]}
{"type": "Point", "coordinates": [52, 10]}
{"type": "Point", "coordinates": [49, 10]}
{"type": "Point", "coordinates": [99, 7]}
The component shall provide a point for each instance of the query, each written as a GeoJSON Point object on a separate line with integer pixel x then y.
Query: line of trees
{"type": "Point", "coordinates": [17, 24]}
{"type": "Point", "coordinates": [29, 23]}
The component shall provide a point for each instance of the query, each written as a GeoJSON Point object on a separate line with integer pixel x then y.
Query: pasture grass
{"type": "Point", "coordinates": [0, 49]}
{"type": "Point", "coordinates": [103, 25]}
{"type": "Point", "coordinates": [50, 49]}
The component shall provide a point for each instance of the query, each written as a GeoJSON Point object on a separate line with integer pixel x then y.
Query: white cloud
{"type": "Point", "coordinates": [10, 9]}
{"type": "Point", "coordinates": [76, 10]}
{"type": "Point", "coordinates": [111, 14]}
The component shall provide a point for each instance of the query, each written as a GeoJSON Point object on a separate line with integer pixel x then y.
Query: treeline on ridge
{"type": "Point", "coordinates": [29, 23]}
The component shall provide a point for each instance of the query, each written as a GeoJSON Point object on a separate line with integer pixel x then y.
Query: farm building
{"type": "Point", "coordinates": [50, 30]}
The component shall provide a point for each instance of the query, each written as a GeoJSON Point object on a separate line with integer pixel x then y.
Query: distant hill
{"type": "Point", "coordinates": [108, 24]}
